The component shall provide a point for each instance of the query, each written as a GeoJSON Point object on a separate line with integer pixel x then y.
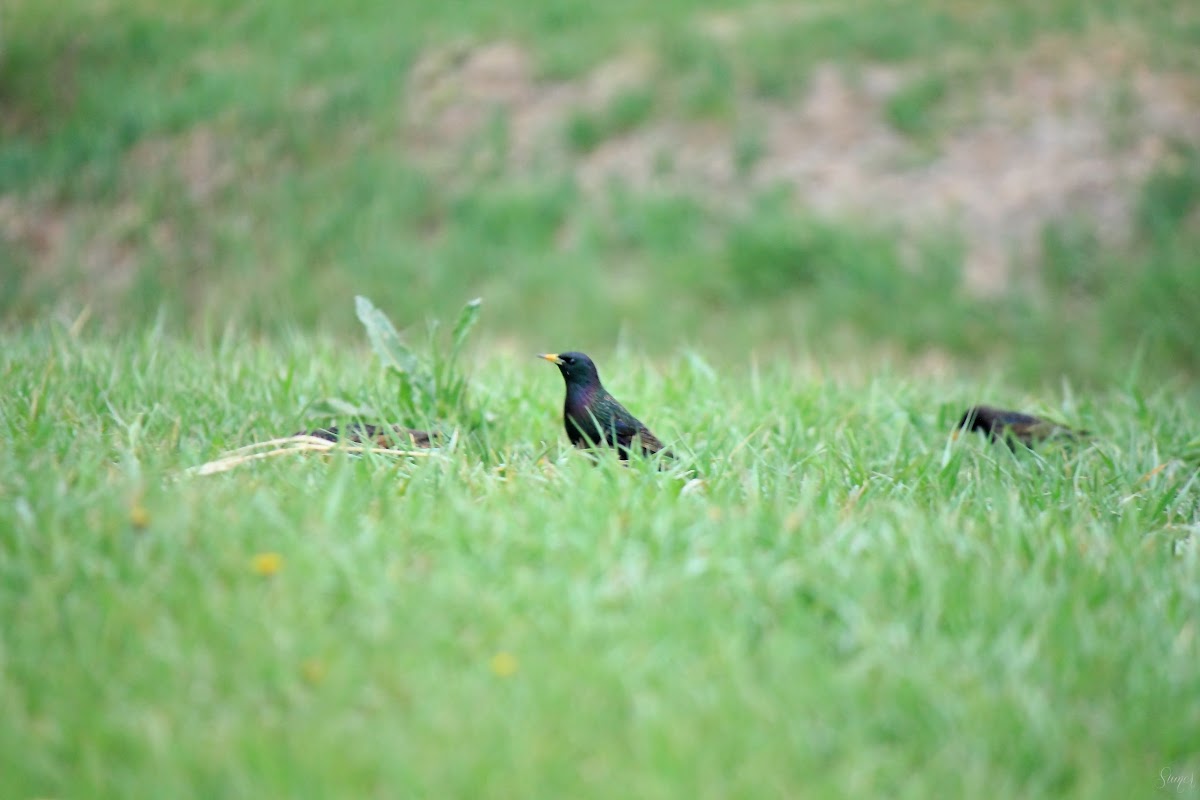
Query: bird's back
{"type": "Point", "coordinates": [1003, 417]}
{"type": "Point", "coordinates": [1002, 424]}
{"type": "Point", "coordinates": [381, 436]}
{"type": "Point", "coordinates": [601, 418]}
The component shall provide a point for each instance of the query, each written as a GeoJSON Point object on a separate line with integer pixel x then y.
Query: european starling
{"type": "Point", "coordinates": [592, 416]}
{"type": "Point", "coordinates": [1013, 426]}
{"type": "Point", "coordinates": [380, 435]}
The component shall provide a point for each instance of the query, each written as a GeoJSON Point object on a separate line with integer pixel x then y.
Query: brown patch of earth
{"type": "Point", "coordinates": [60, 240]}
{"type": "Point", "coordinates": [454, 94]}
{"type": "Point", "coordinates": [195, 159]}
{"type": "Point", "coordinates": [103, 243]}
{"type": "Point", "coordinates": [1044, 140]}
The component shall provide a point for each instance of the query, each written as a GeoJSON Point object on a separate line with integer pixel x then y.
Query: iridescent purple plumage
{"type": "Point", "coordinates": [593, 417]}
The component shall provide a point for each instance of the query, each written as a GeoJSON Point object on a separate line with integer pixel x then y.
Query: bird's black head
{"type": "Point", "coordinates": [970, 420]}
{"type": "Point", "coordinates": [978, 418]}
{"type": "Point", "coordinates": [576, 368]}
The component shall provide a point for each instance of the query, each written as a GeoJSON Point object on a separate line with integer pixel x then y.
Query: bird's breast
{"type": "Point", "coordinates": [580, 426]}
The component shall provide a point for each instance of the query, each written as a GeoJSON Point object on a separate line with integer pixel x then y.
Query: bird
{"type": "Point", "coordinates": [1013, 426]}
{"type": "Point", "coordinates": [386, 436]}
{"type": "Point", "coordinates": [593, 417]}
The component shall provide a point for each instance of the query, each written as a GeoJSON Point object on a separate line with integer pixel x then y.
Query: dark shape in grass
{"type": "Point", "coordinates": [1014, 427]}
{"type": "Point", "coordinates": [380, 435]}
{"type": "Point", "coordinates": [592, 416]}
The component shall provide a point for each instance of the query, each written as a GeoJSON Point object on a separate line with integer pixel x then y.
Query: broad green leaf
{"type": "Point", "coordinates": [384, 338]}
{"type": "Point", "coordinates": [466, 321]}
{"type": "Point", "coordinates": [337, 407]}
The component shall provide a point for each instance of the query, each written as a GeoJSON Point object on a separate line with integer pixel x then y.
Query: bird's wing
{"type": "Point", "coordinates": [328, 434]}
{"type": "Point", "coordinates": [354, 432]}
{"type": "Point", "coordinates": [1039, 430]}
{"type": "Point", "coordinates": [419, 438]}
{"type": "Point", "coordinates": [650, 442]}
{"type": "Point", "coordinates": [360, 433]}
{"type": "Point", "coordinates": [627, 428]}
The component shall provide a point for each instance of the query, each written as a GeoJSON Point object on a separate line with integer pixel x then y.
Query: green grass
{"type": "Point", "coordinates": [627, 110]}
{"type": "Point", "coordinates": [843, 602]}
{"type": "Point", "coordinates": [314, 197]}
{"type": "Point", "coordinates": [847, 602]}
{"type": "Point", "coordinates": [912, 109]}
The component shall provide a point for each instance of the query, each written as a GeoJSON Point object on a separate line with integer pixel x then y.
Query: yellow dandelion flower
{"type": "Point", "coordinates": [266, 564]}
{"type": "Point", "coordinates": [313, 670]}
{"type": "Point", "coordinates": [504, 664]}
{"type": "Point", "coordinates": [139, 517]}
{"type": "Point", "coordinates": [1153, 472]}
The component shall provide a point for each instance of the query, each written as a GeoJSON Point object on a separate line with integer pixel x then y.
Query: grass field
{"type": "Point", "coordinates": [846, 602]}
{"type": "Point", "coordinates": [826, 596]}
{"type": "Point", "coordinates": [261, 164]}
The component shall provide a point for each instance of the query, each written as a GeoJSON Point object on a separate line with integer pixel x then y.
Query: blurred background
{"type": "Point", "coordinates": [1007, 185]}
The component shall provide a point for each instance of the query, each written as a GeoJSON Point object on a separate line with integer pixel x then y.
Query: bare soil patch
{"type": "Point", "coordinates": [103, 245]}
{"type": "Point", "coordinates": [1068, 130]}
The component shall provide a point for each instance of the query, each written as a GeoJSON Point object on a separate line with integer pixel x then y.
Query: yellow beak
{"type": "Point", "coordinates": [552, 357]}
